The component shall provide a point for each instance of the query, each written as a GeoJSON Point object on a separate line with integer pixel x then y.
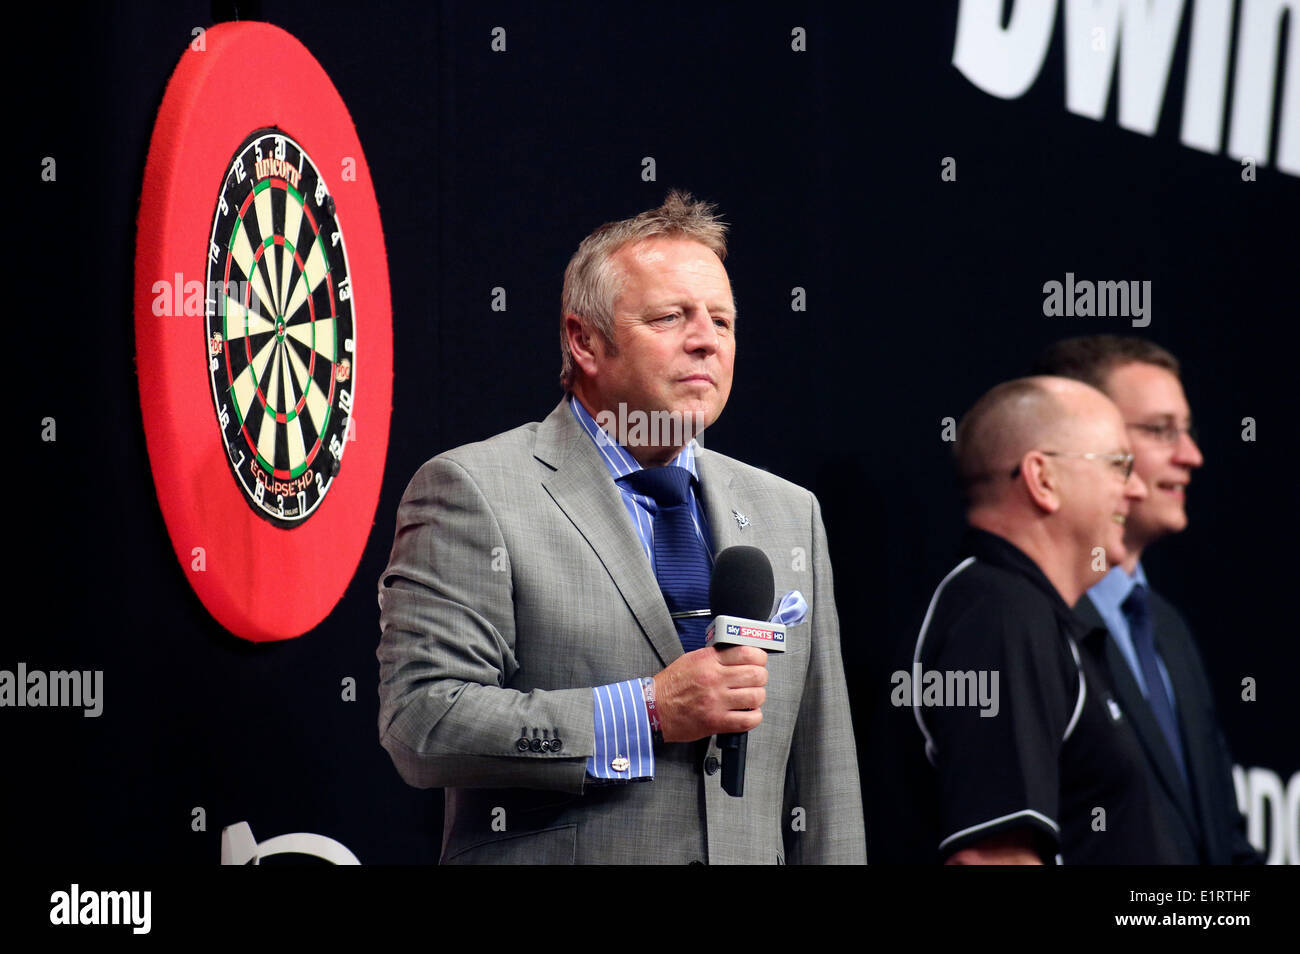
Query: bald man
{"type": "Point", "coordinates": [1030, 760]}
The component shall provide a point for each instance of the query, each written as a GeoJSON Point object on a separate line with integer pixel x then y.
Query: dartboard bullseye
{"type": "Point", "coordinates": [280, 332]}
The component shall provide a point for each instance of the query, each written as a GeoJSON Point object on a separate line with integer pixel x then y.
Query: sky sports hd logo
{"type": "Point", "coordinates": [742, 631]}
{"type": "Point", "coordinates": [755, 632]}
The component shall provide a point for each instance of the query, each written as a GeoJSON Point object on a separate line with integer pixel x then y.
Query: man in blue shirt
{"type": "Point", "coordinates": [1159, 676]}
{"type": "Point", "coordinates": [544, 607]}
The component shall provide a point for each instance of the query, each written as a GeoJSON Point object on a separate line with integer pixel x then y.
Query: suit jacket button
{"type": "Point", "coordinates": [522, 745]}
{"type": "Point", "coordinates": [555, 745]}
{"type": "Point", "coordinates": [535, 745]}
{"type": "Point", "coordinates": [711, 765]}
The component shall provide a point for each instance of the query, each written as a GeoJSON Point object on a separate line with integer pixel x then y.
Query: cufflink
{"type": "Point", "coordinates": [620, 764]}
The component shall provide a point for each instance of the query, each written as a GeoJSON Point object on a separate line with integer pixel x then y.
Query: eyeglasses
{"type": "Point", "coordinates": [1166, 433]}
{"type": "Point", "coordinates": [1123, 463]}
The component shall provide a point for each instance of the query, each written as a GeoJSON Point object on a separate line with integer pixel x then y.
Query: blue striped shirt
{"type": "Point", "coordinates": [640, 507]}
{"type": "Point", "coordinates": [622, 727]}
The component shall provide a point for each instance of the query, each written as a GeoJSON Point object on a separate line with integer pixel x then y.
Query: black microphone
{"type": "Point", "coordinates": [740, 596]}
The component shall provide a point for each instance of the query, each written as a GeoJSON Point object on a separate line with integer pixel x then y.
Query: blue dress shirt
{"type": "Point", "coordinates": [1108, 595]}
{"type": "Point", "coordinates": [622, 726]}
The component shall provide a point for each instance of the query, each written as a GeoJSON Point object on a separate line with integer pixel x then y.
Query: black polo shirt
{"type": "Point", "coordinates": [1055, 753]}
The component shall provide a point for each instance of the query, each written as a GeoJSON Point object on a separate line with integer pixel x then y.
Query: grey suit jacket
{"type": "Point", "coordinates": [517, 583]}
{"type": "Point", "coordinates": [1202, 819]}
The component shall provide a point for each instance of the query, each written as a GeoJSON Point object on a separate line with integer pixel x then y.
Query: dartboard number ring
{"type": "Point", "coordinates": [281, 349]}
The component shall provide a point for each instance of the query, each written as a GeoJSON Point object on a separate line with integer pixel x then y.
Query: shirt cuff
{"type": "Point", "coordinates": [624, 747]}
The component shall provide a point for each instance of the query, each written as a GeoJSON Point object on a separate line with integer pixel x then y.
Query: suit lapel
{"type": "Point", "coordinates": [1129, 695]}
{"type": "Point", "coordinates": [720, 503]}
{"type": "Point", "coordinates": [579, 483]}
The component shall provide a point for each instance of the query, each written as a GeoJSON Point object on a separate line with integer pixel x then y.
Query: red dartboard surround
{"type": "Point", "coordinates": [225, 434]}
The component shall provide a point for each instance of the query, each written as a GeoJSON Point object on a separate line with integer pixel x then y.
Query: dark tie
{"type": "Point", "coordinates": [1137, 611]}
{"type": "Point", "coordinates": [681, 560]}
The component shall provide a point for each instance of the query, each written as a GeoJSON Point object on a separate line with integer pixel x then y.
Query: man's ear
{"type": "Point", "coordinates": [582, 343]}
{"type": "Point", "coordinates": [1040, 481]}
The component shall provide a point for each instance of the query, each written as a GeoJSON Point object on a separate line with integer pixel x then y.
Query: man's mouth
{"type": "Point", "coordinates": [1176, 487]}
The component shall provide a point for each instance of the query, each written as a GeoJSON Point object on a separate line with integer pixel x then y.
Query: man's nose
{"type": "Point", "coordinates": [701, 333]}
{"type": "Point", "coordinates": [1135, 488]}
{"type": "Point", "coordinates": [1186, 452]}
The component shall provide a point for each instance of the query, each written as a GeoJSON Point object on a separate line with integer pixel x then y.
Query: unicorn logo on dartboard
{"type": "Point", "coordinates": [280, 341]}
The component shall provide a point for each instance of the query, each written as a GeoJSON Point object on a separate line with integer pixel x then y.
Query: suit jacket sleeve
{"type": "Point", "coordinates": [448, 715]}
{"type": "Point", "coordinates": [1218, 792]}
{"type": "Point", "coordinates": [1229, 819]}
{"type": "Point", "coordinates": [822, 771]}
{"type": "Point", "coordinates": [1243, 852]}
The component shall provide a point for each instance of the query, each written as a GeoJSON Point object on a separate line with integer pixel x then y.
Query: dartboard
{"type": "Point", "coordinates": [280, 334]}
{"type": "Point", "coordinates": [263, 329]}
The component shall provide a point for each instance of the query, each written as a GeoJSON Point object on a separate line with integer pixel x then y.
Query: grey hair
{"type": "Point", "coordinates": [592, 282]}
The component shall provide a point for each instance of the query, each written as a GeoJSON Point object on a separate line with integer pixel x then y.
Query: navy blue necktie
{"type": "Point", "coordinates": [1137, 612]}
{"type": "Point", "coordinates": [681, 560]}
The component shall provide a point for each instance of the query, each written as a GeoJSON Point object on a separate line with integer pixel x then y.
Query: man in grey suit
{"type": "Point", "coordinates": [1160, 680]}
{"type": "Point", "coordinates": [530, 664]}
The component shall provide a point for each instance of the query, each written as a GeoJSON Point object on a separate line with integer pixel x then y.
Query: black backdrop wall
{"type": "Point", "coordinates": [489, 168]}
